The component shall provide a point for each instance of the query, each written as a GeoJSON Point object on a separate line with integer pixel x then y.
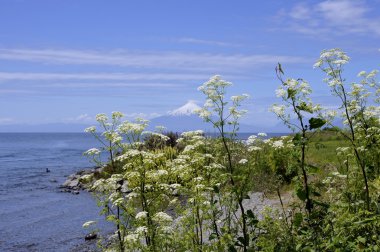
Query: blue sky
{"type": "Point", "coordinates": [66, 61]}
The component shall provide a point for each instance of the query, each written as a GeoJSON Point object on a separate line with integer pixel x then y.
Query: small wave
{"type": "Point", "coordinates": [12, 155]}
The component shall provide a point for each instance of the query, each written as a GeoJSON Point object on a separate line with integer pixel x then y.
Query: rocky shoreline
{"type": "Point", "coordinates": [73, 184]}
{"type": "Point", "coordinates": [79, 180]}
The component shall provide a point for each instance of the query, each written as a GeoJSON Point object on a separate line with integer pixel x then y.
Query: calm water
{"type": "Point", "coordinates": [34, 214]}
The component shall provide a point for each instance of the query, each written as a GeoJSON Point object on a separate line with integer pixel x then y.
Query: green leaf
{"type": "Point", "coordinates": [322, 204]}
{"type": "Point", "coordinates": [303, 106]}
{"type": "Point", "coordinates": [301, 194]}
{"type": "Point", "coordinates": [216, 189]}
{"type": "Point", "coordinates": [212, 236]}
{"type": "Point", "coordinates": [232, 248]}
{"type": "Point", "coordinates": [362, 239]}
{"type": "Point", "coordinates": [298, 247]}
{"type": "Point", "coordinates": [253, 220]}
{"type": "Point", "coordinates": [297, 219]}
{"type": "Point", "coordinates": [312, 169]}
{"type": "Point", "coordinates": [243, 241]}
{"type": "Point", "coordinates": [250, 214]}
{"type": "Point", "coordinates": [317, 194]}
{"type": "Point", "coordinates": [291, 93]}
{"type": "Point", "coordinates": [297, 139]}
{"type": "Point", "coordinates": [316, 123]}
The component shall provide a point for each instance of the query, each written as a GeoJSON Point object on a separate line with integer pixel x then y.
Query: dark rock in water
{"type": "Point", "coordinates": [47, 170]}
{"type": "Point", "coordinates": [90, 236]}
{"type": "Point", "coordinates": [53, 180]}
{"type": "Point", "coordinates": [75, 192]}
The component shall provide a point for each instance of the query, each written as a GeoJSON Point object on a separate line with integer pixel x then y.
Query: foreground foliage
{"type": "Point", "coordinates": [189, 192]}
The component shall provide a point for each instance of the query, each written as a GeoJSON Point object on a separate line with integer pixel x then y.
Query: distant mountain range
{"type": "Point", "coordinates": [178, 120]}
{"type": "Point", "coordinates": [185, 119]}
{"type": "Point", "coordinates": [48, 127]}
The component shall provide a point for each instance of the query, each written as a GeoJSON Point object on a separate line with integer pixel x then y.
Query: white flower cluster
{"type": "Point", "coordinates": [243, 161]}
{"type": "Point", "coordinates": [141, 230]}
{"type": "Point", "coordinates": [203, 113]}
{"type": "Point", "coordinates": [112, 136]}
{"type": "Point", "coordinates": [162, 218]}
{"type": "Point", "coordinates": [116, 115]}
{"type": "Point", "coordinates": [141, 215]}
{"type": "Point", "coordinates": [88, 224]}
{"type": "Point", "coordinates": [157, 174]}
{"type": "Point", "coordinates": [129, 154]}
{"type": "Point", "coordinates": [254, 140]}
{"type": "Point", "coordinates": [278, 144]}
{"type": "Point", "coordinates": [279, 110]}
{"type": "Point", "coordinates": [159, 135]}
{"type": "Point", "coordinates": [128, 127]}
{"type": "Point", "coordinates": [91, 129]}
{"type": "Point", "coordinates": [190, 134]}
{"type": "Point", "coordinates": [333, 56]}
{"type": "Point", "coordinates": [101, 118]}
{"type": "Point", "coordinates": [210, 87]}
{"type": "Point", "coordinates": [92, 152]}
{"type": "Point", "coordinates": [239, 98]}
{"type": "Point", "coordinates": [343, 150]}
{"type": "Point", "coordinates": [131, 238]}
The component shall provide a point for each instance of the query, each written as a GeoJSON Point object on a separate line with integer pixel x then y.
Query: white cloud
{"type": "Point", "coordinates": [16, 91]}
{"type": "Point", "coordinates": [330, 18]}
{"type": "Point", "coordinates": [83, 118]}
{"type": "Point", "coordinates": [108, 85]}
{"type": "Point", "coordinates": [88, 119]}
{"type": "Point", "coordinates": [206, 42]}
{"type": "Point", "coordinates": [6, 120]}
{"type": "Point", "coordinates": [300, 11]}
{"type": "Point", "coordinates": [148, 116]}
{"type": "Point", "coordinates": [149, 60]}
{"type": "Point", "coordinates": [24, 76]}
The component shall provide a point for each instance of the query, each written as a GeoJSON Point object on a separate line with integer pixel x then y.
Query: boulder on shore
{"type": "Point", "coordinates": [79, 180]}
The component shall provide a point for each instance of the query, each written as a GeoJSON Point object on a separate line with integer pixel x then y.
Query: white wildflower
{"type": "Point", "coordinates": [362, 74]}
{"type": "Point", "coordinates": [131, 238]}
{"type": "Point", "coordinates": [141, 215]}
{"type": "Point", "coordinates": [101, 118]}
{"type": "Point", "coordinates": [167, 229]}
{"type": "Point", "coordinates": [278, 144]}
{"type": "Point", "coordinates": [91, 129]}
{"type": "Point", "coordinates": [243, 161]}
{"type": "Point", "coordinates": [281, 92]}
{"type": "Point", "coordinates": [162, 217]}
{"type": "Point", "coordinates": [279, 110]}
{"type": "Point", "coordinates": [88, 224]}
{"type": "Point", "coordinates": [141, 230]}
{"type": "Point", "coordinates": [92, 152]}
{"type": "Point", "coordinates": [117, 115]}
{"type": "Point", "coordinates": [254, 148]}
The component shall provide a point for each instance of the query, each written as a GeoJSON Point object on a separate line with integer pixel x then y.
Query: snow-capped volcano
{"type": "Point", "coordinates": [184, 118]}
{"type": "Point", "coordinates": [187, 109]}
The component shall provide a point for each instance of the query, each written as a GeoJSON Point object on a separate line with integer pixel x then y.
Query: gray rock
{"type": "Point", "coordinates": [71, 183]}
